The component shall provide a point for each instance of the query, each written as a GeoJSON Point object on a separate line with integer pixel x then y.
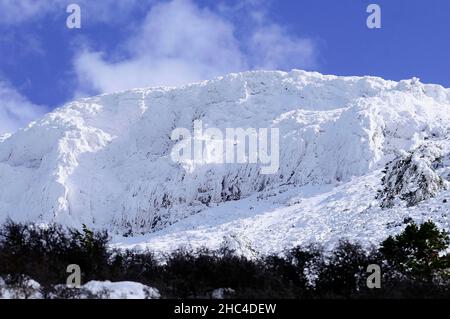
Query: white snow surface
{"type": "Point", "coordinates": [30, 289]}
{"type": "Point", "coordinates": [122, 290]}
{"type": "Point", "coordinates": [105, 162]}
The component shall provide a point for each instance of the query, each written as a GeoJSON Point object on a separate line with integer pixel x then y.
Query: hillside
{"type": "Point", "coordinates": [358, 158]}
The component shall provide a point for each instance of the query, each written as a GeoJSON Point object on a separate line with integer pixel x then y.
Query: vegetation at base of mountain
{"type": "Point", "coordinates": [413, 265]}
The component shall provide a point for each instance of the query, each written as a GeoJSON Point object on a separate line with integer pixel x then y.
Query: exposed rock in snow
{"type": "Point", "coordinates": [105, 161]}
{"type": "Point", "coordinates": [412, 177]}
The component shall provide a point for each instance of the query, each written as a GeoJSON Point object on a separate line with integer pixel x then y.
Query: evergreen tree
{"type": "Point", "coordinates": [418, 251]}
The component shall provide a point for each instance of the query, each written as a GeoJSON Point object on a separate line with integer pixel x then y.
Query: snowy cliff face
{"type": "Point", "coordinates": [106, 161]}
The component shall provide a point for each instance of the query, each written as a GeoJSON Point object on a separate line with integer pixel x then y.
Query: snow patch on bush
{"type": "Point", "coordinates": [27, 288]}
{"type": "Point", "coordinates": [121, 290]}
{"type": "Point", "coordinates": [412, 177]}
{"type": "Point", "coordinates": [30, 289]}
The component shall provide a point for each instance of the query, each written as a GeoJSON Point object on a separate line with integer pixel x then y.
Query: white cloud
{"type": "Point", "coordinates": [14, 12]}
{"type": "Point", "coordinates": [15, 110]}
{"type": "Point", "coordinates": [272, 48]}
{"type": "Point", "coordinates": [180, 42]}
{"type": "Point", "coordinates": [19, 11]}
{"type": "Point", "coordinates": [177, 43]}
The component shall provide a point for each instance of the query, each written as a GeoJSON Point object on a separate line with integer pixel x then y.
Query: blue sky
{"type": "Point", "coordinates": [138, 43]}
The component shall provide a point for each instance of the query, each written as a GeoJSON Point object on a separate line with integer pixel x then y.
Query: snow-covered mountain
{"type": "Point", "coordinates": [358, 158]}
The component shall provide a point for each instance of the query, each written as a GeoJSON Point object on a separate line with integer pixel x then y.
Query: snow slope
{"type": "Point", "coordinates": [105, 162]}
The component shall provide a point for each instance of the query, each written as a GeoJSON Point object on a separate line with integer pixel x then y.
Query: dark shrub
{"type": "Point", "coordinates": [413, 265]}
{"type": "Point", "coordinates": [43, 253]}
{"type": "Point", "coordinates": [416, 252]}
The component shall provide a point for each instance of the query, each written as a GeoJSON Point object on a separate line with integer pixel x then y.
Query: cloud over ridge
{"type": "Point", "coordinates": [15, 110]}
{"type": "Point", "coordinates": [170, 43]}
{"type": "Point", "coordinates": [180, 42]}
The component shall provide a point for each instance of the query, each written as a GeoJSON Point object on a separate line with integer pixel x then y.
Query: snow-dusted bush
{"type": "Point", "coordinates": [412, 177]}
{"type": "Point", "coordinates": [25, 288]}
{"type": "Point", "coordinates": [31, 289]}
{"type": "Point", "coordinates": [121, 290]}
{"type": "Point", "coordinates": [222, 293]}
